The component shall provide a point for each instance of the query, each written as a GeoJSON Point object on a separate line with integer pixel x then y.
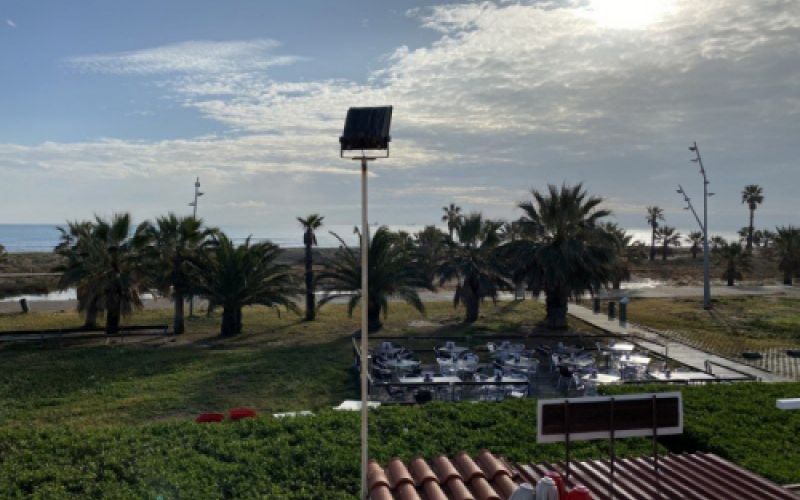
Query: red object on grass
{"type": "Point", "coordinates": [562, 488]}
{"type": "Point", "coordinates": [205, 418]}
{"type": "Point", "coordinates": [240, 413]}
{"type": "Point", "coordinates": [579, 493]}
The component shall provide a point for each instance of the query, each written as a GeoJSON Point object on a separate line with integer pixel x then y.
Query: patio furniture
{"type": "Point", "coordinates": [564, 375]}
{"type": "Point", "coordinates": [601, 378]}
{"type": "Point", "coordinates": [621, 347]}
{"type": "Point", "coordinates": [634, 359]}
{"type": "Point", "coordinates": [681, 375]}
{"type": "Point", "coordinates": [450, 348]}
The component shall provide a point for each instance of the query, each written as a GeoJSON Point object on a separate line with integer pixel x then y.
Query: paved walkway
{"type": "Point", "coordinates": [691, 356]}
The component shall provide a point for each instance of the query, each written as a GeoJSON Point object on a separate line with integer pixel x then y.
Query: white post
{"type": "Point", "coordinates": [364, 328]}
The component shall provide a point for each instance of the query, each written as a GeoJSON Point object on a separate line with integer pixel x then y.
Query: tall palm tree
{"type": "Point", "coordinates": [668, 237]}
{"type": "Point", "coordinates": [568, 254]}
{"type": "Point", "coordinates": [475, 264]}
{"type": "Point", "coordinates": [717, 242]}
{"type": "Point", "coordinates": [767, 237]}
{"type": "Point", "coordinates": [624, 254]}
{"type": "Point", "coordinates": [237, 276]}
{"type": "Point", "coordinates": [753, 195]}
{"type": "Point", "coordinates": [429, 252]}
{"type": "Point", "coordinates": [787, 246]}
{"type": "Point", "coordinates": [452, 217]}
{"type": "Point", "coordinates": [174, 241]}
{"type": "Point", "coordinates": [735, 260]}
{"type": "Point", "coordinates": [696, 239]}
{"type": "Point", "coordinates": [310, 224]}
{"type": "Point", "coordinates": [73, 248]}
{"type": "Point", "coordinates": [654, 214]}
{"type": "Point", "coordinates": [107, 266]}
{"type": "Point", "coordinates": [390, 274]}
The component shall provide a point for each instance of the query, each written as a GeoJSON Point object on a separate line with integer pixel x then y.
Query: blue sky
{"type": "Point", "coordinates": [112, 106]}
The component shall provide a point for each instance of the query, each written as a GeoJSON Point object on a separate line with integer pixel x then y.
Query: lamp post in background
{"type": "Point", "coordinates": [193, 204]}
{"type": "Point", "coordinates": [703, 225]}
{"type": "Point", "coordinates": [365, 129]}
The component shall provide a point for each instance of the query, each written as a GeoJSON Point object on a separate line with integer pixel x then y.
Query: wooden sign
{"type": "Point", "coordinates": [603, 417]}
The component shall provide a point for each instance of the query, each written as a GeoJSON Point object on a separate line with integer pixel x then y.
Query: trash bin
{"type": "Point", "coordinates": [23, 304]}
{"type": "Point", "coordinates": [612, 309]}
{"type": "Point", "coordinates": [596, 305]}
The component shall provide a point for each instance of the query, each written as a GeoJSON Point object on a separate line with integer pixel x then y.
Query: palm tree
{"type": "Point", "coordinates": [390, 274]}
{"type": "Point", "coordinates": [624, 254]}
{"type": "Point", "coordinates": [237, 276]}
{"type": "Point", "coordinates": [654, 214]}
{"type": "Point", "coordinates": [429, 251]}
{"type": "Point", "coordinates": [717, 242]}
{"type": "Point", "coordinates": [668, 237]}
{"type": "Point", "coordinates": [475, 264]}
{"type": "Point", "coordinates": [174, 241]}
{"type": "Point", "coordinates": [744, 234]}
{"type": "Point", "coordinates": [787, 245]}
{"type": "Point", "coordinates": [735, 259]}
{"type": "Point", "coordinates": [696, 239]}
{"type": "Point", "coordinates": [105, 262]}
{"type": "Point", "coordinates": [310, 224]}
{"type": "Point", "coordinates": [753, 195]}
{"type": "Point", "coordinates": [452, 217]}
{"type": "Point", "coordinates": [767, 237]}
{"type": "Point", "coordinates": [3, 255]}
{"type": "Point", "coordinates": [567, 253]}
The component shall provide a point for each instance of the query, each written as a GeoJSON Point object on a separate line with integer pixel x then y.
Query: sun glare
{"type": "Point", "coordinates": [627, 14]}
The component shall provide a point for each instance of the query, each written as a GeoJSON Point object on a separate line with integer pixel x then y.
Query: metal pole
{"type": "Point", "coordinates": [364, 327]}
{"type": "Point", "coordinates": [706, 255]}
{"type": "Point", "coordinates": [194, 216]}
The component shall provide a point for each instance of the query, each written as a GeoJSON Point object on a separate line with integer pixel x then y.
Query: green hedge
{"type": "Point", "coordinates": [317, 457]}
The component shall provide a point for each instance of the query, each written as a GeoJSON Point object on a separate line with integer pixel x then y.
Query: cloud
{"type": "Point", "coordinates": [199, 56]}
{"type": "Point", "coordinates": [11, 23]}
{"type": "Point", "coordinates": [508, 97]}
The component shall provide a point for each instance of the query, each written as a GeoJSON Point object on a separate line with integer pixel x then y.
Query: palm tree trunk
{"type": "Point", "coordinates": [694, 253]}
{"type": "Point", "coordinates": [112, 314]}
{"type": "Point", "coordinates": [472, 303]}
{"type": "Point", "coordinates": [616, 284]}
{"type": "Point", "coordinates": [787, 278]}
{"type": "Point", "coordinates": [653, 244]}
{"type": "Point", "coordinates": [664, 252]}
{"type": "Point", "coordinates": [90, 322]}
{"type": "Point", "coordinates": [750, 231]}
{"type": "Point", "coordinates": [374, 322]}
{"type": "Point", "coordinates": [310, 302]}
{"type": "Point", "coordinates": [178, 325]}
{"type": "Point", "coordinates": [556, 304]}
{"type": "Point", "coordinates": [229, 321]}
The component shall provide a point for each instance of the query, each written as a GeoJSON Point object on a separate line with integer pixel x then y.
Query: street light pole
{"type": "Point", "coordinates": [706, 254]}
{"type": "Point", "coordinates": [193, 204]}
{"type": "Point", "coordinates": [364, 326]}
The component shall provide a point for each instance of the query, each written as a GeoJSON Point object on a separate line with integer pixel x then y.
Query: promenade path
{"type": "Point", "coordinates": [654, 341]}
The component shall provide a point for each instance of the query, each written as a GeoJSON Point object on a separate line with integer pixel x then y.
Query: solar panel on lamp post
{"type": "Point", "coordinates": [365, 130]}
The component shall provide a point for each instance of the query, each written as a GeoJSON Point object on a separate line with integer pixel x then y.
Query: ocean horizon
{"type": "Point", "coordinates": [18, 238]}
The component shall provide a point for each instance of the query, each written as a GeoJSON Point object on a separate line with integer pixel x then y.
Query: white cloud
{"type": "Point", "coordinates": [510, 96]}
{"type": "Point", "coordinates": [205, 57]}
{"type": "Point", "coordinates": [11, 23]}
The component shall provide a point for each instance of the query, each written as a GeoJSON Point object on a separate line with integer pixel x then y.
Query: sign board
{"type": "Point", "coordinates": [594, 417]}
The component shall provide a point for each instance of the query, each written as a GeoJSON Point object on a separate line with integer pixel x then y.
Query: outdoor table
{"type": "Point", "coordinates": [602, 378]}
{"type": "Point", "coordinates": [621, 347]}
{"type": "Point", "coordinates": [509, 347]}
{"type": "Point", "coordinates": [401, 364]}
{"type": "Point", "coordinates": [388, 349]}
{"type": "Point", "coordinates": [682, 375]}
{"type": "Point", "coordinates": [580, 362]}
{"type": "Point", "coordinates": [521, 364]}
{"type": "Point", "coordinates": [445, 379]}
{"type": "Point", "coordinates": [634, 359]}
{"type": "Point", "coordinates": [453, 350]}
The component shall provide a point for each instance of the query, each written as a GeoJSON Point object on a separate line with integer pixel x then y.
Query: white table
{"type": "Point", "coordinates": [401, 364]}
{"type": "Point", "coordinates": [521, 363]}
{"type": "Point", "coordinates": [578, 361]}
{"type": "Point", "coordinates": [634, 359]}
{"type": "Point", "coordinates": [444, 379]}
{"type": "Point", "coordinates": [602, 378]}
{"type": "Point", "coordinates": [681, 375]}
{"type": "Point", "coordinates": [621, 347]}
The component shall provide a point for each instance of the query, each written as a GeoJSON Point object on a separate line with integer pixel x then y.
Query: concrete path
{"type": "Point", "coordinates": [653, 341]}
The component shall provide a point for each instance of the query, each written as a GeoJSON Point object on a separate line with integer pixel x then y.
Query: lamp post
{"type": "Point", "coordinates": [703, 225]}
{"type": "Point", "coordinates": [193, 204]}
{"type": "Point", "coordinates": [365, 129]}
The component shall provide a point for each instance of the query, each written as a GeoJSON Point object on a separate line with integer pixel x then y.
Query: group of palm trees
{"type": "Point", "coordinates": [561, 245]}
{"type": "Point", "coordinates": [734, 256]}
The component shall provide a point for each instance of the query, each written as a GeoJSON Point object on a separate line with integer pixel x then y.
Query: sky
{"type": "Point", "coordinates": [109, 106]}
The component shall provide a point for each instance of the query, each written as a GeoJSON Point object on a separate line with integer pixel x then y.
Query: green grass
{"type": "Point", "coordinates": [734, 325]}
{"type": "Point", "coordinates": [277, 364]}
{"type": "Point", "coordinates": [114, 420]}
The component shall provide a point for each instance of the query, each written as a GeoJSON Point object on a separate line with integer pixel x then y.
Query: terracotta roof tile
{"type": "Point", "coordinates": [487, 477]}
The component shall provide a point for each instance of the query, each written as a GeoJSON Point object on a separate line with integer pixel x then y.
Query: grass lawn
{"type": "Point", "coordinates": [115, 420]}
{"type": "Point", "coordinates": [277, 364]}
{"type": "Point", "coordinates": [735, 324]}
